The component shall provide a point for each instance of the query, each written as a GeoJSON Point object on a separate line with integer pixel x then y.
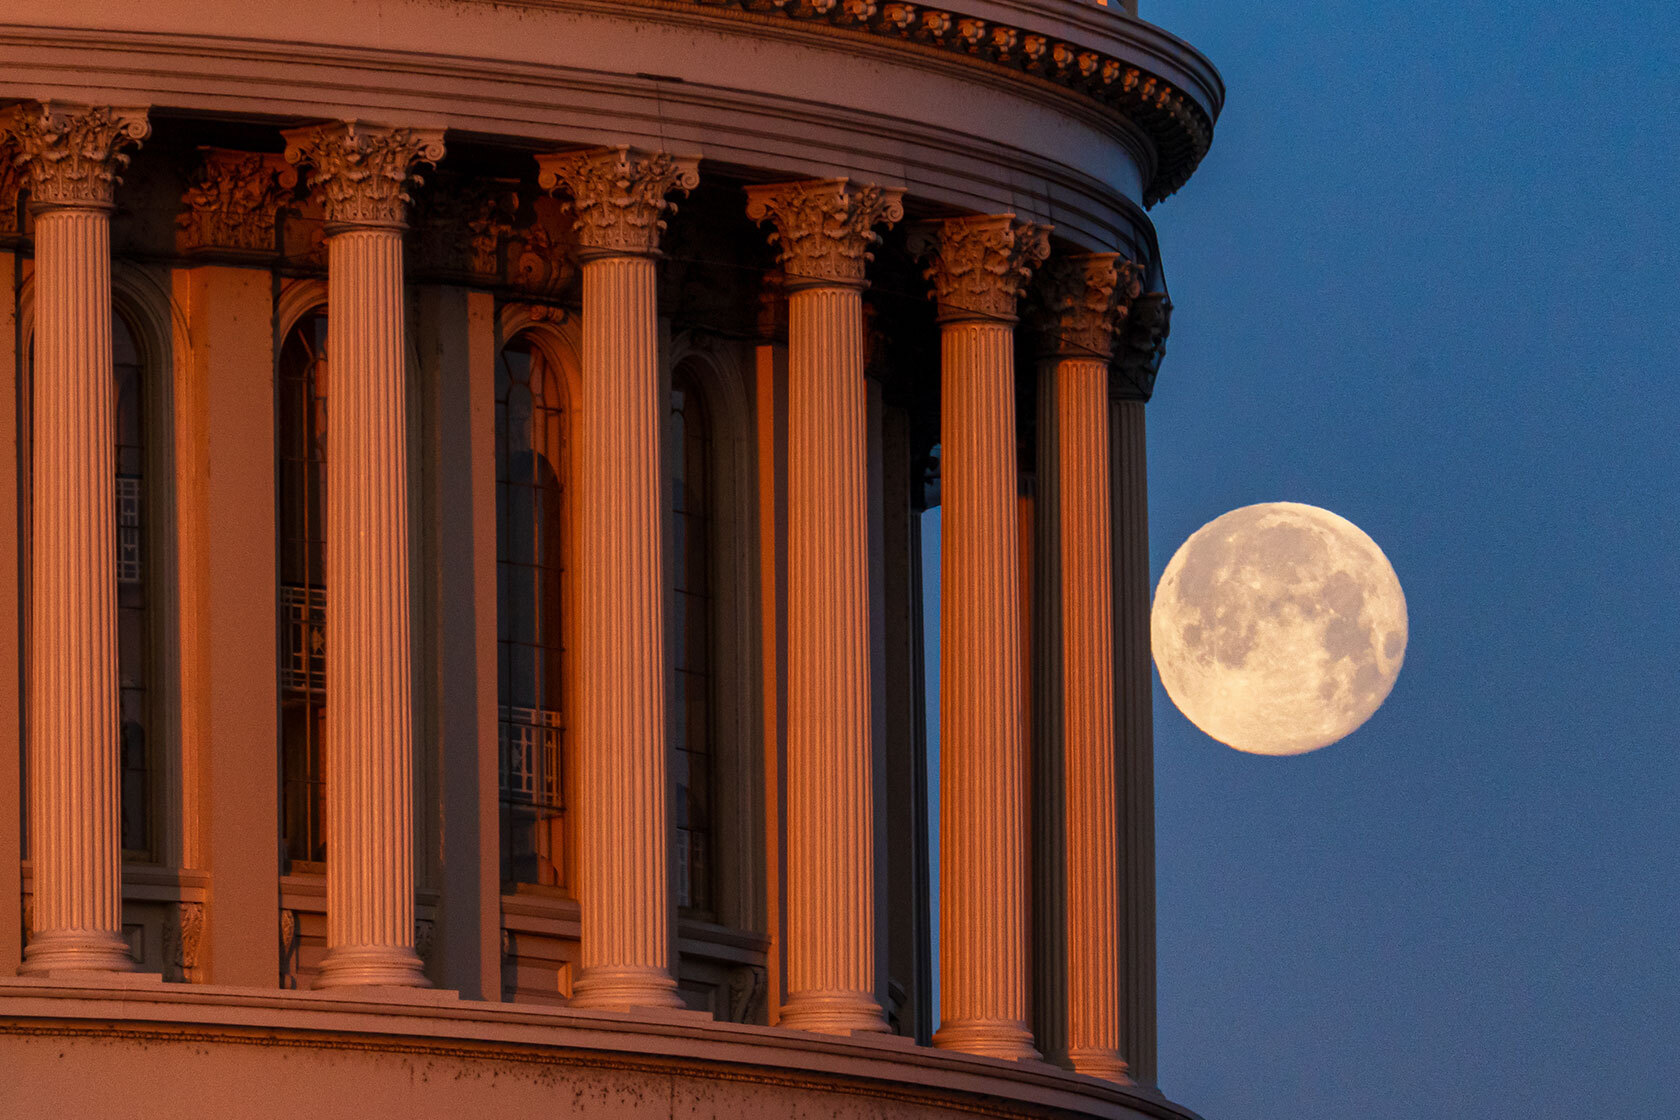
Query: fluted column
{"type": "Point", "coordinates": [624, 822]}
{"type": "Point", "coordinates": [1139, 350]}
{"type": "Point", "coordinates": [825, 228]}
{"type": "Point", "coordinates": [71, 155]}
{"type": "Point", "coordinates": [978, 267]}
{"type": "Point", "coordinates": [1082, 984]}
{"type": "Point", "coordinates": [361, 175]}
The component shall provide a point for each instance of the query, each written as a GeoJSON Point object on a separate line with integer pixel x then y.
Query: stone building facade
{"type": "Point", "coordinates": [463, 465]}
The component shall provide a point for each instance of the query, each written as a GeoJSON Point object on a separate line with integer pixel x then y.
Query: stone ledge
{"type": "Point", "coordinates": [475, 1037]}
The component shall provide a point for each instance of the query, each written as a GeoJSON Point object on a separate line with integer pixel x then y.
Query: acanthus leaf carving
{"type": "Point", "coordinates": [461, 225]}
{"type": "Point", "coordinates": [1141, 346]}
{"type": "Point", "coordinates": [233, 201]}
{"type": "Point", "coordinates": [979, 266]}
{"type": "Point", "coordinates": [824, 227]}
{"type": "Point", "coordinates": [362, 173]}
{"type": "Point", "coordinates": [72, 155]}
{"type": "Point", "coordinates": [619, 194]}
{"type": "Point", "coordinates": [1080, 302]}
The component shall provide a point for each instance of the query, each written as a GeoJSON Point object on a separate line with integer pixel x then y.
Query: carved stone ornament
{"type": "Point", "coordinates": [361, 173]}
{"type": "Point", "coordinates": [183, 937]}
{"type": "Point", "coordinates": [824, 227]}
{"type": "Point", "coordinates": [1074, 306]}
{"type": "Point", "coordinates": [619, 194]}
{"type": "Point", "coordinates": [72, 155]}
{"type": "Point", "coordinates": [979, 266]}
{"type": "Point", "coordinates": [461, 225]}
{"type": "Point", "coordinates": [11, 188]}
{"type": "Point", "coordinates": [1142, 345]}
{"type": "Point", "coordinates": [233, 200]}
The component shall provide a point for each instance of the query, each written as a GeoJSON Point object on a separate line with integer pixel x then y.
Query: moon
{"type": "Point", "coordinates": [1279, 628]}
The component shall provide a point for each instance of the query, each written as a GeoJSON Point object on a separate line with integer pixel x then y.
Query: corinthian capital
{"type": "Point", "coordinates": [1080, 303]}
{"type": "Point", "coordinates": [360, 172]}
{"type": "Point", "coordinates": [825, 227]}
{"type": "Point", "coordinates": [980, 266]}
{"type": "Point", "coordinates": [1142, 345]}
{"type": "Point", "coordinates": [72, 155]}
{"type": "Point", "coordinates": [619, 194]}
{"type": "Point", "coordinates": [232, 200]}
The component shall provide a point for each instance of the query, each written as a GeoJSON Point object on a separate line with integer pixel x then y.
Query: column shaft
{"type": "Point", "coordinates": [983, 924]}
{"type": "Point", "coordinates": [370, 839]}
{"type": "Point", "coordinates": [74, 765]}
{"type": "Point", "coordinates": [830, 811]}
{"type": "Point", "coordinates": [1135, 726]}
{"type": "Point", "coordinates": [624, 866]}
{"type": "Point", "coordinates": [1088, 790]}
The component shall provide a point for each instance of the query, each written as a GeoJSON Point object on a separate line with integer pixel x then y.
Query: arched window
{"type": "Point", "coordinates": [692, 747]}
{"type": "Point", "coordinates": [530, 576]}
{"type": "Point", "coordinates": [134, 623]}
{"type": "Point", "coordinates": [301, 446]}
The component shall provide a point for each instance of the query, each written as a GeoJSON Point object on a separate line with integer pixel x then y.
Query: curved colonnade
{"type": "Point", "coordinates": [999, 158]}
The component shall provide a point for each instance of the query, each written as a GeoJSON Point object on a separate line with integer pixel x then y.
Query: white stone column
{"type": "Point", "coordinates": [624, 821]}
{"type": "Point", "coordinates": [825, 228]}
{"type": "Point", "coordinates": [360, 173]}
{"type": "Point", "coordinates": [978, 268]}
{"type": "Point", "coordinates": [1081, 983]}
{"type": "Point", "coordinates": [72, 155]}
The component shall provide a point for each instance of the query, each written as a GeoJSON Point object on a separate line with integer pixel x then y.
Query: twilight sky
{"type": "Point", "coordinates": [1427, 279]}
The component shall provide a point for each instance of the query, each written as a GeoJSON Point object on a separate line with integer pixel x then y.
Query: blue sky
{"type": "Point", "coordinates": [1428, 279]}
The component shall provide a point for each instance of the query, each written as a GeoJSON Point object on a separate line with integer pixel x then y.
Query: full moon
{"type": "Point", "coordinates": [1279, 628]}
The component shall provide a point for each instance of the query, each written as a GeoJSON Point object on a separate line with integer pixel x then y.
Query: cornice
{"type": "Point", "coordinates": [1074, 52]}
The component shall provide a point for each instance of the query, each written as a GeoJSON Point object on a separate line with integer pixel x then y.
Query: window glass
{"type": "Point", "coordinates": [301, 434]}
{"type": "Point", "coordinates": [530, 575]}
{"type": "Point", "coordinates": [134, 635]}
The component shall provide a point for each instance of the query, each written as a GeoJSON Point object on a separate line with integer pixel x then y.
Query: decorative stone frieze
{"type": "Point", "coordinates": [620, 194]}
{"type": "Point", "coordinates": [979, 267]}
{"type": "Point", "coordinates": [1141, 346]}
{"type": "Point", "coordinates": [233, 201]}
{"type": "Point", "coordinates": [824, 227]}
{"type": "Point", "coordinates": [360, 172]}
{"type": "Point", "coordinates": [72, 155]}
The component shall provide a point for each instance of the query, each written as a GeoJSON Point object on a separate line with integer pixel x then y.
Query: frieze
{"type": "Point", "coordinates": [824, 227]}
{"type": "Point", "coordinates": [362, 173]}
{"type": "Point", "coordinates": [979, 267]}
{"type": "Point", "coordinates": [233, 201]}
{"type": "Point", "coordinates": [71, 155]}
{"type": "Point", "coordinates": [619, 194]}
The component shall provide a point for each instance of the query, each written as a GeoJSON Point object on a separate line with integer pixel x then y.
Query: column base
{"type": "Point", "coordinates": [622, 988]}
{"type": "Point", "coordinates": [1096, 1061]}
{"type": "Point", "coordinates": [832, 1012]}
{"type": "Point", "coordinates": [371, 966]}
{"type": "Point", "coordinates": [989, 1038]}
{"type": "Point", "coordinates": [55, 951]}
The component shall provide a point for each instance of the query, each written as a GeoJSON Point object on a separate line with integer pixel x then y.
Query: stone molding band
{"type": "Point", "coordinates": [1179, 128]}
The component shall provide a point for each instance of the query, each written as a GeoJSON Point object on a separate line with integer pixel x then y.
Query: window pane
{"type": "Point", "coordinates": [300, 440]}
{"type": "Point", "coordinates": [530, 574]}
{"type": "Point", "coordinates": [690, 724]}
